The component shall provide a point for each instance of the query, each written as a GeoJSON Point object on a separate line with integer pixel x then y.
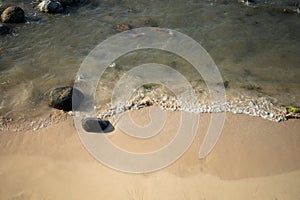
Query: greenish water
{"type": "Point", "coordinates": [255, 47]}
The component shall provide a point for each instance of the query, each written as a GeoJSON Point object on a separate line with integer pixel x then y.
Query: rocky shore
{"type": "Point", "coordinates": [256, 107]}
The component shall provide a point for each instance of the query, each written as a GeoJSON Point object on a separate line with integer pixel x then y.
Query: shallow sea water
{"type": "Point", "coordinates": [255, 47]}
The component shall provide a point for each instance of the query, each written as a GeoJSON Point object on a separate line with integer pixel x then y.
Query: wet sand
{"type": "Point", "coordinates": [253, 159]}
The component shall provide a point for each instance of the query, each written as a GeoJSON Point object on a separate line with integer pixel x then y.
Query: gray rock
{"type": "Point", "coordinates": [61, 98]}
{"type": "Point", "coordinates": [13, 14]}
{"type": "Point", "coordinates": [49, 6]}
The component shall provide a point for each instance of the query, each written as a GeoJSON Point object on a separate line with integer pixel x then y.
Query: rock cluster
{"type": "Point", "coordinates": [49, 6]}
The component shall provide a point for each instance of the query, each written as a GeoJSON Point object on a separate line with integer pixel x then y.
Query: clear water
{"type": "Point", "coordinates": [252, 45]}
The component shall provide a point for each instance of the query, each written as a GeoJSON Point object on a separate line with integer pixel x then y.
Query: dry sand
{"type": "Point", "coordinates": [253, 159]}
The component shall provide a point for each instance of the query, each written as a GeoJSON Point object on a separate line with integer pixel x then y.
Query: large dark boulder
{"type": "Point", "coordinates": [13, 14]}
{"type": "Point", "coordinates": [61, 98]}
{"type": "Point", "coordinates": [49, 6]}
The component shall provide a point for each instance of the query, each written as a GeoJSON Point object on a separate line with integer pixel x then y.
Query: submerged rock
{"type": "Point", "coordinates": [4, 30]}
{"type": "Point", "coordinates": [122, 27]}
{"type": "Point", "coordinates": [13, 14]}
{"type": "Point", "coordinates": [61, 98]}
{"type": "Point", "coordinates": [49, 6]}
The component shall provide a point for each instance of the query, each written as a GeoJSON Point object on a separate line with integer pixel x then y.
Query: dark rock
{"type": "Point", "coordinates": [5, 30]}
{"type": "Point", "coordinates": [96, 125]}
{"type": "Point", "coordinates": [13, 14]}
{"type": "Point", "coordinates": [122, 27]}
{"type": "Point", "coordinates": [63, 98]}
{"type": "Point", "coordinates": [49, 6]}
{"type": "Point", "coordinates": [66, 2]}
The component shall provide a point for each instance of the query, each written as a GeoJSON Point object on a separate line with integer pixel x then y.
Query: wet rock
{"type": "Point", "coordinates": [66, 2]}
{"type": "Point", "coordinates": [122, 27]}
{"type": "Point", "coordinates": [96, 125]}
{"type": "Point", "coordinates": [4, 30]}
{"type": "Point", "coordinates": [64, 98]}
{"type": "Point", "coordinates": [13, 14]}
{"type": "Point", "coordinates": [49, 6]}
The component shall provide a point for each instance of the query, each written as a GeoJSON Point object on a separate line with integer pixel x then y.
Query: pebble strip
{"type": "Point", "coordinates": [257, 107]}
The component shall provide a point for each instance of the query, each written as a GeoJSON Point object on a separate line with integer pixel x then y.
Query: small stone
{"type": "Point", "coordinates": [145, 22]}
{"type": "Point", "coordinates": [13, 14]}
{"type": "Point", "coordinates": [122, 27]}
{"type": "Point", "coordinates": [65, 98]}
{"type": "Point", "coordinates": [49, 6]}
{"type": "Point", "coordinates": [112, 65]}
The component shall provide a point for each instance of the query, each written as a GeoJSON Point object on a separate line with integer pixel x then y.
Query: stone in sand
{"type": "Point", "coordinates": [5, 30]}
{"type": "Point", "coordinates": [96, 125]}
{"type": "Point", "coordinates": [49, 6]}
{"type": "Point", "coordinates": [61, 98]}
{"type": "Point", "coordinates": [13, 14]}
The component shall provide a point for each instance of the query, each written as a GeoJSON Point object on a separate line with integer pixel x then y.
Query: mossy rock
{"type": "Point", "coordinates": [292, 109]}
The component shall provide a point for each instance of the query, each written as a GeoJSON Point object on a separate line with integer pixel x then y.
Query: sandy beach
{"type": "Point", "coordinates": [253, 159]}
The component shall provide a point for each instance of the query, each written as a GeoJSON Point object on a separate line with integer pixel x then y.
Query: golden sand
{"type": "Point", "coordinates": [253, 159]}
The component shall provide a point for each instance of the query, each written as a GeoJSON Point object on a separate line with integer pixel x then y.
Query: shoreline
{"type": "Point", "coordinates": [262, 107]}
